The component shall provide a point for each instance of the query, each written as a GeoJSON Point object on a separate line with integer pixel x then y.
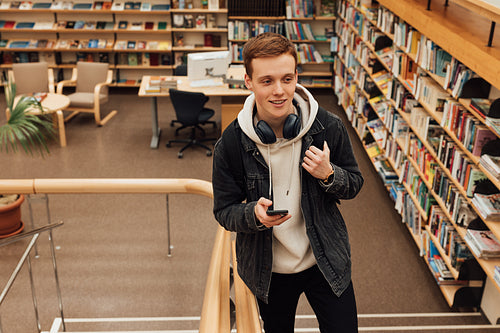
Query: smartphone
{"type": "Point", "coordinates": [281, 212]}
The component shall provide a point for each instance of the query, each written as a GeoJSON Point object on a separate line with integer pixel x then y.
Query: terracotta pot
{"type": "Point", "coordinates": [10, 217]}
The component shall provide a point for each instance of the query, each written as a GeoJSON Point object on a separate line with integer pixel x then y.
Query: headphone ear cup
{"type": "Point", "coordinates": [265, 132]}
{"type": "Point", "coordinates": [291, 127]}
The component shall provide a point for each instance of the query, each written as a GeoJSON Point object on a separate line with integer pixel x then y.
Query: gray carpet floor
{"type": "Point", "coordinates": [112, 253]}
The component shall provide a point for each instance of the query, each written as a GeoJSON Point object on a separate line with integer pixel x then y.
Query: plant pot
{"type": "Point", "coordinates": [10, 217]}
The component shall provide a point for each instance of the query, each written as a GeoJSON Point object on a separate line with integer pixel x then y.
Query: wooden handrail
{"type": "Point", "coordinates": [215, 316]}
{"type": "Point", "coordinates": [106, 185]}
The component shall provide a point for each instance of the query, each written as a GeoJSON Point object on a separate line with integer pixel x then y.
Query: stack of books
{"type": "Point", "coordinates": [487, 205]}
{"type": "Point", "coordinates": [483, 243]}
{"type": "Point", "coordinates": [161, 84]}
{"type": "Point", "coordinates": [491, 163]}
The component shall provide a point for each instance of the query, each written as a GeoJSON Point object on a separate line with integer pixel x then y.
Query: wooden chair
{"type": "Point", "coordinates": [37, 77]}
{"type": "Point", "coordinates": [92, 81]}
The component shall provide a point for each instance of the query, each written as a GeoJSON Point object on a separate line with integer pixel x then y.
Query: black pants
{"type": "Point", "coordinates": [334, 314]}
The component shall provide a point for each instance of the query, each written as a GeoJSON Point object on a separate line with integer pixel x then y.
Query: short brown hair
{"type": "Point", "coordinates": [267, 44]}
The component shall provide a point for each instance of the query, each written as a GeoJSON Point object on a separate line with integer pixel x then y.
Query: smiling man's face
{"type": "Point", "coordinates": [273, 82]}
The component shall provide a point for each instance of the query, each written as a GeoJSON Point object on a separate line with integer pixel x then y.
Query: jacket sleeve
{"type": "Point", "coordinates": [228, 184]}
{"type": "Point", "coordinates": [347, 179]}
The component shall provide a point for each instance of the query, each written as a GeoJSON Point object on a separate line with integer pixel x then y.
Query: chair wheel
{"type": "Point", "coordinates": [172, 124]}
{"type": "Point", "coordinates": [209, 153]}
{"type": "Point", "coordinates": [168, 145]}
{"type": "Point", "coordinates": [179, 155]}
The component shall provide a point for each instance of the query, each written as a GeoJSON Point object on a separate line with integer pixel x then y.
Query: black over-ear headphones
{"type": "Point", "coordinates": [291, 127]}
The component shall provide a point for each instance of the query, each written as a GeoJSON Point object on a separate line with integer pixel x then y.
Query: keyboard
{"type": "Point", "coordinates": [205, 83]}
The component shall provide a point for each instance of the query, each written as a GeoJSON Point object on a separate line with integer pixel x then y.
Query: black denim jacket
{"type": "Point", "coordinates": [240, 177]}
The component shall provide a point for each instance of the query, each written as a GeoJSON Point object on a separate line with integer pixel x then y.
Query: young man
{"type": "Point", "coordinates": [284, 152]}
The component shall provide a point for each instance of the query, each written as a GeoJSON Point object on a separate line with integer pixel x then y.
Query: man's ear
{"type": "Point", "coordinates": [248, 82]}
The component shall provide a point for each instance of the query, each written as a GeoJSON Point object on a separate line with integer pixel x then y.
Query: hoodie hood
{"type": "Point", "coordinates": [308, 107]}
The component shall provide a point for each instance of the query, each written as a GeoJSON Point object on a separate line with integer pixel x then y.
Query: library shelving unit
{"type": "Point", "coordinates": [308, 31]}
{"type": "Point", "coordinates": [198, 30]}
{"type": "Point", "coordinates": [404, 76]}
{"type": "Point", "coordinates": [135, 38]}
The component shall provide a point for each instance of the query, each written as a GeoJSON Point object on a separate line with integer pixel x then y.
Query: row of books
{"type": "Point", "coordinates": [97, 5]}
{"type": "Point", "coordinates": [66, 44]}
{"type": "Point", "coordinates": [244, 30]}
{"type": "Point", "coordinates": [307, 53]}
{"type": "Point", "coordinates": [144, 59]}
{"type": "Point", "coordinates": [42, 25]}
{"type": "Point", "coordinates": [299, 8]}
{"type": "Point", "coordinates": [449, 239]}
{"type": "Point", "coordinates": [163, 45]}
{"type": "Point", "coordinates": [296, 30]}
{"type": "Point", "coordinates": [87, 25]}
{"type": "Point", "coordinates": [468, 130]}
{"type": "Point", "coordinates": [465, 171]}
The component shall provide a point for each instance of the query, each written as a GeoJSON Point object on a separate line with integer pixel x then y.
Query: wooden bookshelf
{"type": "Point", "coordinates": [67, 57]}
{"type": "Point", "coordinates": [446, 28]}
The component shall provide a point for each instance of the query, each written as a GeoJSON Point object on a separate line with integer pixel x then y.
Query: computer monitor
{"type": "Point", "coordinates": [207, 66]}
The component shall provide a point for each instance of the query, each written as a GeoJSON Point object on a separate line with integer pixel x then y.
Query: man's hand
{"type": "Point", "coordinates": [317, 162]}
{"type": "Point", "coordinates": [269, 221]}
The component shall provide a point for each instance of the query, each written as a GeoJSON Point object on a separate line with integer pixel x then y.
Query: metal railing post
{"type": "Point", "coordinates": [33, 295]}
{"type": "Point", "coordinates": [56, 276]}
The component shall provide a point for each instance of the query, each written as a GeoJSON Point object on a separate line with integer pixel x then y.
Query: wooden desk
{"type": "Point", "coordinates": [231, 102]}
{"type": "Point", "coordinates": [52, 103]}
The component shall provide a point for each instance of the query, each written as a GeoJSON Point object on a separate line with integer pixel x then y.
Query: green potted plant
{"type": "Point", "coordinates": [31, 133]}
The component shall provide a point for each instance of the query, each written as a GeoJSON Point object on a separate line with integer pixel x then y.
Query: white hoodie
{"type": "Point", "coordinates": [292, 252]}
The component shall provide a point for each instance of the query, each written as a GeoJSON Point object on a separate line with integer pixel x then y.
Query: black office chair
{"type": "Point", "coordinates": [191, 113]}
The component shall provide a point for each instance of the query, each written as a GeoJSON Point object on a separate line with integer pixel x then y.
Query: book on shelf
{"type": "Point", "coordinates": [473, 178]}
{"type": "Point", "coordinates": [162, 25]}
{"type": "Point", "coordinates": [138, 25]}
{"type": "Point", "coordinates": [79, 24]}
{"type": "Point", "coordinates": [9, 24]}
{"type": "Point", "coordinates": [97, 5]}
{"type": "Point", "coordinates": [107, 5]}
{"type": "Point", "coordinates": [481, 106]}
{"type": "Point", "coordinates": [24, 25]}
{"type": "Point", "coordinates": [158, 6]}
{"type": "Point", "coordinates": [41, 5]}
{"type": "Point", "coordinates": [118, 6]}
{"type": "Point", "coordinates": [488, 205]}
{"type": "Point", "coordinates": [133, 59]}
{"type": "Point", "coordinates": [82, 5]}
{"type": "Point", "coordinates": [482, 136]}
{"type": "Point", "coordinates": [491, 163]}
{"type": "Point", "coordinates": [25, 5]}
{"type": "Point", "coordinates": [149, 25]}
{"type": "Point", "coordinates": [145, 6]}
{"type": "Point", "coordinates": [131, 45]}
{"type": "Point", "coordinates": [44, 25]}
{"type": "Point", "coordinates": [122, 25]}
{"type": "Point", "coordinates": [483, 243]}
{"type": "Point", "coordinates": [18, 44]}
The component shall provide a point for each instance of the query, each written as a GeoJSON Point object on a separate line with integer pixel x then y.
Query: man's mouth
{"type": "Point", "coordinates": [277, 102]}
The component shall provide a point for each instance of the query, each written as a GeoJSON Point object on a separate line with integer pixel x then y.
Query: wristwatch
{"type": "Point", "coordinates": [329, 178]}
